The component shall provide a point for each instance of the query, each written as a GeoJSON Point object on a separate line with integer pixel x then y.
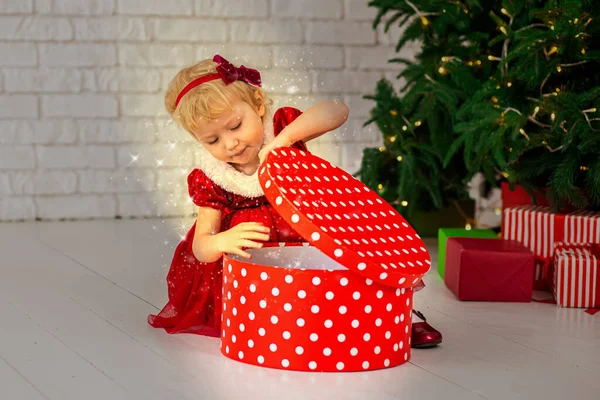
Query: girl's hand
{"type": "Point", "coordinates": [242, 236]}
{"type": "Point", "coordinates": [279, 141]}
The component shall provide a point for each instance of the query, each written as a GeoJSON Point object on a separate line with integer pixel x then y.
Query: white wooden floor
{"type": "Point", "coordinates": [74, 297]}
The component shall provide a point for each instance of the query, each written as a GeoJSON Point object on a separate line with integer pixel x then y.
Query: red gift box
{"type": "Point", "coordinates": [340, 302]}
{"type": "Point", "coordinates": [537, 228]}
{"type": "Point", "coordinates": [574, 274]}
{"type": "Point", "coordinates": [489, 269]}
{"type": "Point", "coordinates": [520, 197]}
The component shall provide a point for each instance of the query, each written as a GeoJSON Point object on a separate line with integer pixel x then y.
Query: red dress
{"type": "Point", "coordinates": [194, 287]}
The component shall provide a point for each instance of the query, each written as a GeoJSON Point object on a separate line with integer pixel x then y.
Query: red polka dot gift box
{"type": "Point", "coordinates": [341, 301]}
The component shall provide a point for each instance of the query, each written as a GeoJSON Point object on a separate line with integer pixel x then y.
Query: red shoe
{"type": "Point", "coordinates": [423, 334]}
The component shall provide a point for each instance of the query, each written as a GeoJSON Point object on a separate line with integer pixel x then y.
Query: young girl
{"type": "Point", "coordinates": [224, 109]}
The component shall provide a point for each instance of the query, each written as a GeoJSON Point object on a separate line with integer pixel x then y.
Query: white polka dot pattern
{"type": "Point", "coordinates": [327, 328]}
{"type": "Point", "coordinates": [346, 220]}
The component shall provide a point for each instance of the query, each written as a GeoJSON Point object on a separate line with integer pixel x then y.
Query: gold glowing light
{"type": "Point", "coordinates": [399, 158]}
{"type": "Point", "coordinates": [424, 21]}
{"type": "Point", "coordinates": [380, 186]}
{"type": "Point", "coordinates": [382, 149]}
{"type": "Point", "coordinates": [404, 203]}
{"type": "Point", "coordinates": [468, 226]}
{"type": "Point", "coordinates": [404, 127]}
{"type": "Point", "coordinates": [552, 116]}
{"type": "Point", "coordinates": [418, 123]}
{"type": "Point", "coordinates": [392, 139]}
{"type": "Point", "coordinates": [442, 70]}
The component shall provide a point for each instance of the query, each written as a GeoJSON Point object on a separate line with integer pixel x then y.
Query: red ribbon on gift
{"type": "Point", "coordinates": [595, 250]}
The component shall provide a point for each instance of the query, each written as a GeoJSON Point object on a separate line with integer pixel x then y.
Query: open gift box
{"type": "Point", "coordinates": [341, 301]}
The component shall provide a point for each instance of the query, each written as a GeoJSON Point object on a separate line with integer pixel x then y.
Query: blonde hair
{"type": "Point", "coordinates": [207, 101]}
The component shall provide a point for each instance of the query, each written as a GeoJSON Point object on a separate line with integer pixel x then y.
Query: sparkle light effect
{"type": "Point", "coordinates": [134, 158]}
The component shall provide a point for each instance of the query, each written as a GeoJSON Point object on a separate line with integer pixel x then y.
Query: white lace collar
{"type": "Point", "coordinates": [227, 177]}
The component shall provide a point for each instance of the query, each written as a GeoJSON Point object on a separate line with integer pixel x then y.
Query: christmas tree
{"type": "Point", "coordinates": [417, 127]}
{"type": "Point", "coordinates": [506, 88]}
{"type": "Point", "coordinates": [534, 121]}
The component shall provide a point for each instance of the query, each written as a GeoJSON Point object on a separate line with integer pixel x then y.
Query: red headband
{"type": "Point", "coordinates": [228, 73]}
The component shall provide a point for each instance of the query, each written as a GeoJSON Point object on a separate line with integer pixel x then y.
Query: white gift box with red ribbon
{"type": "Point", "coordinates": [341, 301]}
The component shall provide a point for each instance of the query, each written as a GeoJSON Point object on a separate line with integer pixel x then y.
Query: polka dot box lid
{"type": "Point", "coordinates": [343, 218]}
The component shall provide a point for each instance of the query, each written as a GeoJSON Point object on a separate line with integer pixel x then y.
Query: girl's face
{"type": "Point", "coordinates": [236, 136]}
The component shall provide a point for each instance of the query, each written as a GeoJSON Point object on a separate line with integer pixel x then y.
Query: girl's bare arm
{"type": "Point", "coordinates": [210, 244]}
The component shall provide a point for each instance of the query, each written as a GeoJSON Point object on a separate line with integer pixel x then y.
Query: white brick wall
{"type": "Point", "coordinates": [82, 85]}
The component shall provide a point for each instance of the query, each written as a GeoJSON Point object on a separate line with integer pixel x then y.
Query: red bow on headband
{"type": "Point", "coordinates": [228, 73]}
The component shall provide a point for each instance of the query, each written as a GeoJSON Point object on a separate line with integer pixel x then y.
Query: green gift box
{"type": "Point", "coordinates": [445, 233]}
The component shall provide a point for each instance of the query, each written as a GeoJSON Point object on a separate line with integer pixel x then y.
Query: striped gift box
{"type": "Point", "coordinates": [583, 227]}
{"type": "Point", "coordinates": [537, 228]}
{"type": "Point", "coordinates": [576, 277]}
